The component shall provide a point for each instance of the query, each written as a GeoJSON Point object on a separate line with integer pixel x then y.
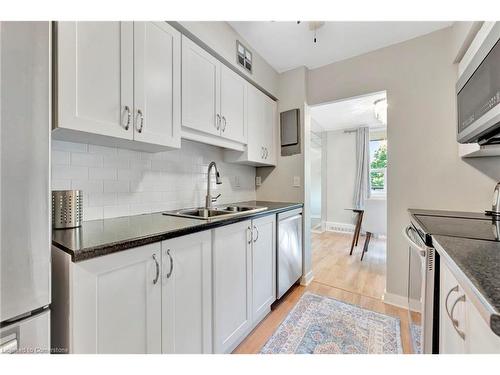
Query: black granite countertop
{"type": "Point", "coordinates": [100, 237]}
{"type": "Point", "coordinates": [479, 262]}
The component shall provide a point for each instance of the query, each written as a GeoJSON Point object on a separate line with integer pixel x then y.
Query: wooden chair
{"type": "Point", "coordinates": [375, 220]}
{"type": "Point", "coordinates": [357, 229]}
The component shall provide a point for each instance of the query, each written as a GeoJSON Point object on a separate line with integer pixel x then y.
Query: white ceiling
{"type": "Point", "coordinates": [347, 114]}
{"type": "Point", "coordinates": [287, 45]}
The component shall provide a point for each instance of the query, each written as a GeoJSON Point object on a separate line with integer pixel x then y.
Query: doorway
{"type": "Point", "coordinates": [348, 156]}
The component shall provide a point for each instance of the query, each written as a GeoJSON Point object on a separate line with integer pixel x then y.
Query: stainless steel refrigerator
{"type": "Point", "coordinates": [24, 188]}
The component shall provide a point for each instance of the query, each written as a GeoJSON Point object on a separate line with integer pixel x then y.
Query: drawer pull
{"type": "Point", "coordinates": [455, 321]}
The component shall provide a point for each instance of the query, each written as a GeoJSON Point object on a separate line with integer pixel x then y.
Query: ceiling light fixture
{"type": "Point", "coordinates": [314, 26]}
{"type": "Point", "coordinates": [380, 110]}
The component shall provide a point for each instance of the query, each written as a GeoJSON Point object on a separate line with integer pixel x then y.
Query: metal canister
{"type": "Point", "coordinates": [67, 209]}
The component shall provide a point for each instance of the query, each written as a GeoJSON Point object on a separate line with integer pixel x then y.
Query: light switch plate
{"type": "Point", "coordinates": [296, 181]}
{"type": "Point", "coordinates": [258, 181]}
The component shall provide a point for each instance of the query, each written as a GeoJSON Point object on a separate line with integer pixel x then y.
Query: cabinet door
{"type": "Point", "coordinates": [95, 77]}
{"type": "Point", "coordinates": [450, 342]}
{"type": "Point", "coordinates": [232, 103]}
{"type": "Point", "coordinates": [187, 294]}
{"type": "Point", "coordinates": [116, 303]}
{"type": "Point", "coordinates": [270, 130]}
{"type": "Point", "coordinates": [480, 339]}
{"type": "Point", "coordinates": [255, 121]}
{"type": "Point", "coordinates": [200, 89]}
{"type": "Point", "coordinates": [232, 285]}
{"type": "Point", "coordinates": [157, 91]}
{"type": "Point", "coordinates": [263, 266]}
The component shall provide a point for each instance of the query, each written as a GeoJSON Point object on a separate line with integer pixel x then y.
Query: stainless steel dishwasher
{"type": "Point", "coordinates": [289, 250]}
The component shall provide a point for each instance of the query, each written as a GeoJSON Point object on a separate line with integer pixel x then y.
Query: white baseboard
{"type": "Point", "coordinates": [332, 226]}
{"type": "Point", "coordinates": [306, 280]}
{"type": "Point", "coordinates": [401, 301]}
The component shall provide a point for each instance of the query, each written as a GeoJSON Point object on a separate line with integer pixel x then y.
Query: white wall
{"type": "Point", "coordinates": [424, 170]}
{"type": "Point", "coordinates": [341, 171]}
{"type": "Point", "coordinates": [118, 182]}
{"type": "Point", "coordinates": [316, 182]}
{"type": "Point", "coordinates": [221, 37]}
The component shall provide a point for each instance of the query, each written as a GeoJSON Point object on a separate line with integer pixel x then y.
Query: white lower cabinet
{"type": "Point", "coordinates": [187, 294]}
{"type": "Point", "coordinates": [232, 284]}
{"type": "Point", "coordinates": [199, 293]}
{"type": "Point", "coordinates": [462, 328]}
{"type": "Point", "coordinates": [263, 266]}
{"type": "Point", "coordinates": [244, 279]}
{"type": "Point", "coordinates": [116, 303]}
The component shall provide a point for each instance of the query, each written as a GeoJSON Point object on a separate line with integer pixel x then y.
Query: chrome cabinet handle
{"type": "Point", "coordinates": [129, 117]}
{"type": "Point", "coordinates": [171, 264]}
{"type": "Point", "coordinates": [141, 116]}
{"type": "Point", "coordinates": [217, 122]}
{"type": "Point", "coordinates": [454, 289]}
{"type": "Point", "coordinates": [157, 269]}
{"type": "Point", "coordinates": [257, 231]}
{"type": "Point", "coordinates": [224, 123]}
{"type": "Point", "coordinates": [250, 235]}
{"type": "Point", "coordinates": [455, 321]}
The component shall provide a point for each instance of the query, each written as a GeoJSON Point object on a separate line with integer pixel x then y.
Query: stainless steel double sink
{"type": "Point", "coordinates": [218, 212]}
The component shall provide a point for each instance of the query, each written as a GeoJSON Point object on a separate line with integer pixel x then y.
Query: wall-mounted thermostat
{"type": "Point", "coordinates": [244, 56]}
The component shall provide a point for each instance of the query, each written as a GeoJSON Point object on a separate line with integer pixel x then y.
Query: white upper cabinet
{"type": "Point", "coordinates": [157, 79]}
{"type": "Point", "coordinates": [118, 84]}
{"type": "Point", "coordinates": [187, 294]}
{"type": "Point", "coordinates": [261, 122]}
{"type": "Point", "coordinates": [200, 89]}
{"type": "Point", "coordinates": [232, 106]}
{"type": "Point", "coordinates": [213, 99]}
{"type": "Point", "coordinates": [95, 77]}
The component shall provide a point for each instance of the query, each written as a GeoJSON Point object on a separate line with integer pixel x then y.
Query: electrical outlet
{"type": "Point", "coordinates": [258, 181]}
{"type": "Point", "coordinates": [237, 181]}
{"type": "Point", "coordinates": [296, 181]}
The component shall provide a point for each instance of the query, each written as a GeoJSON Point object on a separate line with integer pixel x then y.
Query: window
{"type": "Point", "coordinates": [378, 167]}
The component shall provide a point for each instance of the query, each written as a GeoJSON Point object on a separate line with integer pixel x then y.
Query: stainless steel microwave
{"type": "Point", "coordinates": [478, 93]}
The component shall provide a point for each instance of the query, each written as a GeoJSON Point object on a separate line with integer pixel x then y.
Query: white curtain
{"type": "Point", "coordinates": [362, 182]}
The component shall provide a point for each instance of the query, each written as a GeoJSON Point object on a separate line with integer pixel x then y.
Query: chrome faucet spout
{"type": "Point", "coordinates": [209, 200]}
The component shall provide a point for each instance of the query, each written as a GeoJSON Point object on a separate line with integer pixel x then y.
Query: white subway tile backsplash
{"type": "Point", "coordinates": [87, 186]}
{"type": "Point", "coordinates": [60, 157]}
{"type": "Point", "coordinates": [86, 160]}
{"type": "Point", "coordinates": [118, 182]}
{"type": "Point", "coordinates": [114, 161]}
{"type": "Point", "coordinates": [69, 172]}
{"type": "Point", "coordinates": [102, 173]}
{"type": "Point", "coordinates": [116, 186]}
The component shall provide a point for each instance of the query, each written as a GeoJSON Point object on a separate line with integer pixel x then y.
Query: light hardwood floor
{"type": "Point", "coordinates": [338, 276]}
{"type": "Point", "coordinates": [333, 266]}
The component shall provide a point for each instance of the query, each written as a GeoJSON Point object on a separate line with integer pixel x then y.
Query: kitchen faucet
{"type": "Point", "coordinates": [209, 200]}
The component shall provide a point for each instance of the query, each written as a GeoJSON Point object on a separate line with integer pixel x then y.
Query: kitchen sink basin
{"type": "Point", "coordinates": [216, 212]}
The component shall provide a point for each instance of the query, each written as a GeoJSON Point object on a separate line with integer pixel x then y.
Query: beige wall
{"type": "Point", "coordinates": [220, 36]}
{"type": "Point", "coordinates": [341, 165]}
{"type": "Point", "coordinates": [424, 170]}
{"type": "Point", "coordinates": [277, 182]}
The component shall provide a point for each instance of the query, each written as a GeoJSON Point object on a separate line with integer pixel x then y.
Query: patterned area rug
{"type": "Point", "coordinates": [322, 325]}
{"type": "Point", "coordinates": [416, 338]}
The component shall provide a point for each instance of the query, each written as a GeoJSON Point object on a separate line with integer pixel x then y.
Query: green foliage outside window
{"type": "Point", "coordinates": [379, 162]}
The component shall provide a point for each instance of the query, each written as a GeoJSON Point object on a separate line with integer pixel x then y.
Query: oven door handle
{"type": "Point", "coordinates": [421, 250]}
